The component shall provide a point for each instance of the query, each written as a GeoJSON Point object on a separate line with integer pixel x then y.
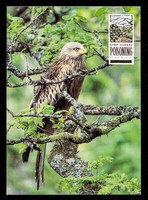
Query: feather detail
{"type": "Point", "coordinates": [25, 155]}
{"type": "Point", "coordinates": [39, 175]}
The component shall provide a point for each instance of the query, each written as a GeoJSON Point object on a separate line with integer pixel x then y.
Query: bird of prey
{"type": "Point", "coordinates": [69, 62]}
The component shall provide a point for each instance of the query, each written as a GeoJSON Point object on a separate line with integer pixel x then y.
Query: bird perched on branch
{"type": "Point", "coordinates": [69, 62]}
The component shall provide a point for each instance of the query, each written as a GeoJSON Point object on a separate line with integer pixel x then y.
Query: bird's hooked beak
{"type": "Point", "coordinates": [81, 52]}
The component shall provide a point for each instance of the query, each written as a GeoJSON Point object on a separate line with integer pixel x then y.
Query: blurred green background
{"type": "Point", "coordinates": [115, 85]}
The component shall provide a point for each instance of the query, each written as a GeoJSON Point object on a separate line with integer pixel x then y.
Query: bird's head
{"type": "Point", "coordinates": [73, 50]}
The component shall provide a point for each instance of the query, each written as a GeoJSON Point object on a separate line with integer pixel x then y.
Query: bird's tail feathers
{"type": "Point", "coordinates": [25, 155]}
{"type": "Point", "coordinates": [40, 167]}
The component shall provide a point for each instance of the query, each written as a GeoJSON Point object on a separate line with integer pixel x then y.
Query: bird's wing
{"type": "Point", "coordinates": [50, 92]}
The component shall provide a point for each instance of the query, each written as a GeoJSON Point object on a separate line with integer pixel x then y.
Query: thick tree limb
{"type": "Point", "coordinates": [64, 160]}
{"type": "Point", "coordinates": [95, 129]}
{"type": "Point", "coordinates": [110, 110]}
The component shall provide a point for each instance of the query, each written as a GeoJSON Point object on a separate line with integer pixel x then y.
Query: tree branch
{"type": "Point", "coordinates": [35, 115]}
{"type": "Point", "coordinates": [30, 72]}
{"type": "Point", "coordinates": [46, 81]}
{"type": "Point", "coordinates": [92, 130]}
{"type": "Point", "coordinates": [110, 110]}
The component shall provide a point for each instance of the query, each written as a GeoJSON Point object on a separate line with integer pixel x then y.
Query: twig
{"type": "Point", "coordinates": [80, 124]}
{"type": "Point", "coordinates": [31, 72]}
{"type": "Point", "coordinates": [86, 30]}
{"type": "Point", "coordinates": [27, 69]}
{"type": "Point", "coordinates": [100, 55]}
{"type": "Point", "coordinates": [35, 115]}
{"type": "Point", "coordinates": [99, 129]}
{"type": "Point", "coordinates": [12, 114]}
{"type": "Point", "coordinates": [96, 33]}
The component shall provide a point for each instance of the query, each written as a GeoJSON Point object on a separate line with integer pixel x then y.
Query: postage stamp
{"type": "Point", "coordinates": [121, 39]}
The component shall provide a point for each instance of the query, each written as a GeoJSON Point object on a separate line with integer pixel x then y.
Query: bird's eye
{"type": "Point", "coordinates": [76, 48]}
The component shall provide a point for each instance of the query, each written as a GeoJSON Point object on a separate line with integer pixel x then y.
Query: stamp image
{"type": "Point", "coordinates": [121, 39]}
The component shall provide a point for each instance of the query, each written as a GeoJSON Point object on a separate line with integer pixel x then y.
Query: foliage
{"type": "Point", "coordinates": [113, 183]}
{"type": "Point", "coordinates": [117, 85]}
{"type": "Point", "coordinates": [29, 123]}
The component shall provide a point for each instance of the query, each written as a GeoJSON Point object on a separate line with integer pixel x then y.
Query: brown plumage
{"type": "Point", "coordinates": [69, 62]}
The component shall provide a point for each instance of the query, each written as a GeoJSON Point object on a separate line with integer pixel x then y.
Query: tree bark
{"type": "Point", "coordinates": [64, 160]}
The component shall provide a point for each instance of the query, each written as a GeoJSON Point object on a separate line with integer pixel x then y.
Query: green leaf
{"type": "Point", "coordinates": [48, 110]}
{"type": "Point", "coordinates": [61, 119]}
{"type": "Point", "coordinates": [22, 148]}
{"type": "Point", "coordinates": [45, 108]}
{"type": "Point", "coordinates": [23, 126]}
{"type": "Point", "coordinates": [69, 16]}
{"type": "Point", "coordinates": [126, 8]}
{"type": "Point", "coordinates": [31, 129]}
{"type": "Point", "coordinates": [39, 121]}
{"type": "Point", "coordinates": [71, 110]}
{"type": "Point", "coordinates": [18, 118]}
{"type": "Point", "coordinates": [55, 126]}
{"type": "Point", "coordinates": [59, 125]}
{"type": "Point", "coordinates": [81, 18]}
{"type": "Point", "coordinates": [52, 120]}
{"type": "Point", "coordinates": [100, 11]}
{"type": "Point", "coordinates": [24, 111]}
{"type": "Point", "coordinates": [10, 124]}
{"type": "Point", "coordinates": [9, 16]}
